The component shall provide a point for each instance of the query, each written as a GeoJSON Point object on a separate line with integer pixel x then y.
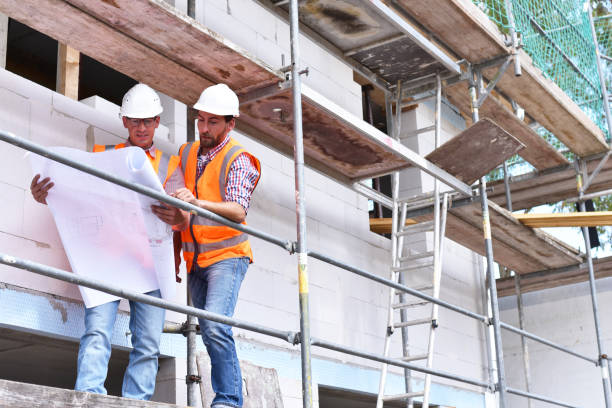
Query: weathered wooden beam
{"type": "Point", "coordinates": [67, 80]}
{"type": "Point", "coordinates": [552, 278]}
{"type": "Point", "coordinates": [15, 394]}
{"type": "Point", "coordinates": [589, 219]}
{"type": "Point", "coordinates": [3, 39]}
{"type": "Point", "coordinates": [383, 225]}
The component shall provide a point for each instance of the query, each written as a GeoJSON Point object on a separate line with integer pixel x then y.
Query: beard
{"type": "Point", "coordinates": [208, 140]}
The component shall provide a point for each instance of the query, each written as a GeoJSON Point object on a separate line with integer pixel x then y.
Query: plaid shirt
{"type": "Point", "coordinates": [241, 177]}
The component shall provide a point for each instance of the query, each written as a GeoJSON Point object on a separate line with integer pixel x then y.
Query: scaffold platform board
{"type": "Point", "coordinates": [485, 140]}
{"type": "Point", "coordinates": [481, 41]}
{"type": "Point", "coordinates": [154, 43]}
{"type": "Point", "coordinates": [576, 219]}
{"type": "Point", "coordinates": [515, 246]}
{"type": "Point", "coordinates": [531, 282]}
{"type": "Point", "coordinates": [548, 187]}
{"type": "Point", "coordinates": [538, 152]}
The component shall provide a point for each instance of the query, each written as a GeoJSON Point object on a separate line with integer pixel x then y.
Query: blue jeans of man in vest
{"type": "Point", "coordinates": [215, 288]}
{"type": "Point", "coordinates": [146, 325]}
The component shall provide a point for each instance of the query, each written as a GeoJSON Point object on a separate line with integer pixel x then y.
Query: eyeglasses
{"type": "Point", "coordinates": [148, 122]}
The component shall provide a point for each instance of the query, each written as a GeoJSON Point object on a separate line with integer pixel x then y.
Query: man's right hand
{"type": "Point", "coordinates": [40, 189]}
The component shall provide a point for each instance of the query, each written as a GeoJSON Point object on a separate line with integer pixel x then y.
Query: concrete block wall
{"type": "Point", "coordinates": [344, 308]}
{"type": "Point", "coordinates": [563, 315]}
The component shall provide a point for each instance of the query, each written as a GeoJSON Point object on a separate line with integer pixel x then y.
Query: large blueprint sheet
{"type": "Point", "coordinates": [109, 233]}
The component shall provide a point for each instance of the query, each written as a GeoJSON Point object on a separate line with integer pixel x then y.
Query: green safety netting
{"type": "Point", "coordinates": [557, 35]}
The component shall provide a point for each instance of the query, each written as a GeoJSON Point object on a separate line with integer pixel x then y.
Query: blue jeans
{"type": "Point", "coordinates": [146, 325]}
{"type": "Point", "coordinates": [215, 289]}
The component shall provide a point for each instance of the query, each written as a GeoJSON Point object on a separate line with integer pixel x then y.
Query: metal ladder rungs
{"type": "Point", "coordinates": [420, 288]}
{"type": "Point", "coordinates": [416, 322]}
{"type": "Point", "coordinates": [416, 256]}
{"type": "Point", "coordinates": [413, 267]}
{"type": "Point", "coordinates": [407, 305]}
{"type": "Point", "coordinates": [403, 396]}
{"type": "Point", "coordinates": [416, 357]}
{"type": "Point", "coordinates": [413, 229]}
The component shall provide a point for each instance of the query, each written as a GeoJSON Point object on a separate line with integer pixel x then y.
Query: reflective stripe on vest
{"type": "Point", "coordinates": [213, 246]}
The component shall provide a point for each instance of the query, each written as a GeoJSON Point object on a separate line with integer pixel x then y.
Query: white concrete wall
{"type": "Point", "coordinates": [563, 315]}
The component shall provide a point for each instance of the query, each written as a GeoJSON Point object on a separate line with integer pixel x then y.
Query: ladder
{"type": "Point", "coordinates": [398, 301]}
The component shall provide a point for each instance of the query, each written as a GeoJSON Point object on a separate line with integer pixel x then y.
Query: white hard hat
{"type": "Point", "coordinates": [140, 102]}
{"type": "Point", "coordinates": [219, 100]}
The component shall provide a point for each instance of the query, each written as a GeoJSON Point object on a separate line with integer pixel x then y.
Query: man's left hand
{"type": "Point", "coordinates": [169, 215]}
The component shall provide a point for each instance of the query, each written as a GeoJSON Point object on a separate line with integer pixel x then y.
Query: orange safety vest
{"type": "Point", "coordinates": [206, 240]}
{"type": "Point", "coordinates": [163, 164]}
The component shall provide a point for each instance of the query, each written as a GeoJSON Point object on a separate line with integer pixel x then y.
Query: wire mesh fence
{"type": "Point", "coordinates": [557, 36]}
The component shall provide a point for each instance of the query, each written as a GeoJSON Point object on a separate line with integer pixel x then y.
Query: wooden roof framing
{"type": "Point", "coordinates": [480, 41]}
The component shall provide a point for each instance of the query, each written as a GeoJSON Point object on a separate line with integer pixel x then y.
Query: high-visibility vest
{"type": "Point", "coordinates": [205, 240]}
{"type": "Point", "coordinates": [163, 164]}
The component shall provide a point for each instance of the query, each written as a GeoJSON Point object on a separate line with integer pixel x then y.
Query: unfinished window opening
{"type": "Point", "coordinates": [374, 114]}
{"type": "Point", "coordinates": [31, 54]}
{"type": "Point", "coordinates": [98, 79]}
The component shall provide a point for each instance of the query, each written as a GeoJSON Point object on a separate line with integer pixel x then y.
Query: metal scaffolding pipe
{"type": "Point", "coordinates": [399, 363]}
{"type": "Point", "coordinates": [603, 362]}
{"type": "Point", "coordinates": [539, 397]}
{"type": "Point", "coordinates": [73, 278]}
{"type": "Point", "coordinates": [149, 192]}
{"type": "Point", "coordinates": [484, 205]}
{"type": "Point", "coordinates": [300, 205]}
{"type": "Point", "coordinates": [539, 339]}
{"type": "Point", "coordinates": [387, 282]}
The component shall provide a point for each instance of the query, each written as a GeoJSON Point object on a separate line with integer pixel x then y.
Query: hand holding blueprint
{"type": "Point", "coordinates": [109, 232]}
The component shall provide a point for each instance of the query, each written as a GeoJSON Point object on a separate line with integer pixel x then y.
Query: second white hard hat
{"type": "Point", "coordinates": [219, 100]}
{"type": "Point", "coordinates": [141, 102]}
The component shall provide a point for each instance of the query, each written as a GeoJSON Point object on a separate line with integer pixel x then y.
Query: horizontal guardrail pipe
{"type": "Point", "coordinates": [69, 277]}
{"type": "Point", "coordinates": [546, 342]}
{"type": "Point", "coordinates": [399, 363]}
{"type": "Point", "coordinates": [397, 286]}
{"type": "Point", "coordinates": [539, 398]}
{"type": "Point", "coordinates": [149, 192]}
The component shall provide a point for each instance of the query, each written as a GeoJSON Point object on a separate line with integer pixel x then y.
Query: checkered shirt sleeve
{"type": "Point", "coordinates": [241, 180]}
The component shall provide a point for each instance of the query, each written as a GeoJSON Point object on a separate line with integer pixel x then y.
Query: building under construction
{"type": "Point", "coordinates": [406, 137]}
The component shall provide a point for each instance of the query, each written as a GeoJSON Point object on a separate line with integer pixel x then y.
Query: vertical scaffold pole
{"type": "Point", "coordinates": [602, 357]}
{"type": "Point", "coordinates": [191, 324]}
{"type": "Point", "coordinates": [486, 224]}
{"type": "Point", "coordinates": [513, 36]}
{"type": "Point", "coordinates": [302, 252]}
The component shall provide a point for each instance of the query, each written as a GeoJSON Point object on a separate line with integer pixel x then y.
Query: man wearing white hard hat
{"type": "Point", "coordinates": [220, 176]}
{"type": "Point", "coordinates": [140, 112]}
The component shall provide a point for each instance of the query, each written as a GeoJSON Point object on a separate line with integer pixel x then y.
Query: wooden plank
{"type": "Point", "coordinates": [552, 108]}
{"type": "Point", "coordinates": [179, 38]}
{"type": "Point", "coordinates": [532, 282]}
{"type": "Point", "coordinates": [531, 243]}
{"type": "Point", "coordinates": [383, 225]}
{"type": "Point", "coordinates": [460, 25]}
{"type": "Point", "coordinates": [17, 395]}
{"type": "Point", "coordinates": [590, 219]}
{"type": "Point", "coordinates": [515, 246]}
{"type": "Point", "coordinates": [548, 187]}
{"type": "Point", "coordinates": [484, 140]}
{"type": "Point", "coordinates": [67, 82]}
{"type": "Point", "coordinates": [537, 151]}
{"type": "Point", "coordinates": [71, 26]}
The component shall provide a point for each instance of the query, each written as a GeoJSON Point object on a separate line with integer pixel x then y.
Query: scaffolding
{"type": "Point", "coordinates": [468, 84]}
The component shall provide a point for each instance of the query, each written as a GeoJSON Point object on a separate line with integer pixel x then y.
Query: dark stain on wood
{"type": "Point", "coordinates": [225, 74]}
{"type": "Point", "coordinates": [239, 67]}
